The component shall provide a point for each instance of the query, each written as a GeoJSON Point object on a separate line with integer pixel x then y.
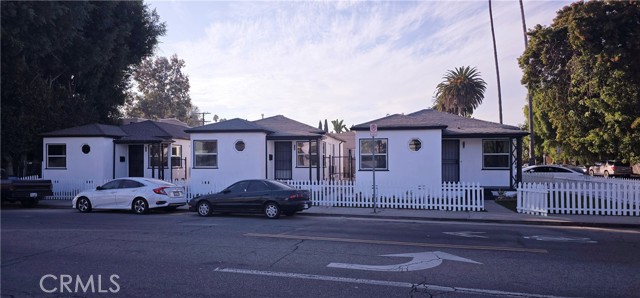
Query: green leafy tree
{"type": "Point", "coordinates": [584, 73]}
{"type": "Point", "coordinates": [67, 63]}
{"type": "Point", "coordinates": [162, 91]}
{"type": "Point", "coordinates": [338, 126]}
{"type": "Point", "coordinates": [326, 126]}
{"type": "Point", "coordinates": [320, 124]}
{"type": "Point", "coordinates": [461, 92]}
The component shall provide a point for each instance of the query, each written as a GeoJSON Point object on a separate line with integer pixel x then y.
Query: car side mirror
{"type": "Point", "coordinates": [99, 188]}
{"type": "Point", "coordinates": [226, 191]}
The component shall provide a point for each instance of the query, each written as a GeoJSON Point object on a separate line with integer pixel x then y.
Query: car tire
{"type": "Point", "coordinates": [606, 174]}
{"type": "Point", "coordinates": [272, 210]}
{"type": "Point", "coordinates": [204, 208]}
{"type": "Point", "coordinates": [83, 205]}
{"type": "Point", "coordinates": [290, 213]}
{"type": "Point", "coordinates": [140, 206]}
{"type": "Point", "coordinates": [29, 203]}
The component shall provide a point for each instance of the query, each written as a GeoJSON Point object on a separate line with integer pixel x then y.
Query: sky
{"type": "Point", "coordinates": [350, 60]}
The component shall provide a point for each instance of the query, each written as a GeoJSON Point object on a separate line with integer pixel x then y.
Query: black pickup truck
{"type": "Point", "coordinates": [27, 192]}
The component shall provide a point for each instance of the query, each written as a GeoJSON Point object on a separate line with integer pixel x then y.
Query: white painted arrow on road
{"type": "Point", "coordinates": [420, 261]}
{"type": "Point", "coordinates": [466, 234]}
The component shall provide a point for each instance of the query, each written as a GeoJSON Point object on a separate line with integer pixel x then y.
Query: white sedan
{"type": "Point", "coordinates": [556, 171]}
{"type": "Point", "coordinates": [137, 194]}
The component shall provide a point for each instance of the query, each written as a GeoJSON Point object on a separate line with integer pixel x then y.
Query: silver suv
{"type": "Point", "coordinates": [610, 168]}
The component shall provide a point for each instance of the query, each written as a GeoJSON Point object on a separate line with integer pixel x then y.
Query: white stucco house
{"type": "Point", "coordinates": [428, 147]}
{"type": "Point", "coordinates": [271, 148]}
{"type": "Point", "coordinates": [98, 152]}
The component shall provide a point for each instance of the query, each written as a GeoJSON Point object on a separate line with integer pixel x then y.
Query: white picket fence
{"type": "Point", "coordinates": [452, 196]}
{"type": "Point", "coordinates": [579, 198]}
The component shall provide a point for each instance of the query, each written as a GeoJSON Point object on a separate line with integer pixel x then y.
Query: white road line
{"type": "Point", "coordinates": [397, 284]}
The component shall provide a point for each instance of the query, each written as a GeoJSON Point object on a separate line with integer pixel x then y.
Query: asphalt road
{"type": "Point", "coordinates": [105, 254]}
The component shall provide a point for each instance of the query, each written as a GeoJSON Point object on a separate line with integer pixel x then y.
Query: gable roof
{"type": "Point", "coordinates": [89, 130]}
{"type": "Point", "coordinates": [451, 125]}
{"type": "Point", "coordinates": [233, 125]}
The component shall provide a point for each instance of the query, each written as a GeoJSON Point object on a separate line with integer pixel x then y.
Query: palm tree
{"type": "Point", "coordinates": [461, 92]}
{"type": "Point", "coordinates": [338, 126]}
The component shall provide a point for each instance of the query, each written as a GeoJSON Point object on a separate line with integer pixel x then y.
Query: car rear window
{"type": "Point", "coordinates": [279, 185]}
{"type": "Point", "coordinates": [618, 163]}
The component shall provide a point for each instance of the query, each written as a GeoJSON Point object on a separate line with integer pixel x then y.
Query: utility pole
{"type": "Point", "coordinates": [204, 113]}
{"type": "Point", "coordinates": [532, 155]}
{"type": "Point", "coordinates": [495, 55]}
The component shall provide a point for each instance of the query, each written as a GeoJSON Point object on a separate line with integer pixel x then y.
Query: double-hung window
{"type": "Point", "coordinates": [56, 156]}
{"type": "Point", "coordinates": [176, 156]}
{"type": "Point", "coordinates": [495, 154]}
{"type": "Point", "coordinates": [205, 154]}
{"type": "Point", "coordinates": [373, 154]}
{"type": "Point", "coordinates": [306, 152]}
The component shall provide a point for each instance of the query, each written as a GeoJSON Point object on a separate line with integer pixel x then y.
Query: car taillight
{"type": "Point", "coordinates": [160, 190]}
{"type": "Point", "coordinates": [296, 196]}
{"type": "Point", "coordinates": [613, 168]}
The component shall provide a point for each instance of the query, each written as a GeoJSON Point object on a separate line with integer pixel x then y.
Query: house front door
{"type": "Point", "coordinates": [450, 161]}
{"type": "Point", "coordinates": [283, 161]}
{"type": "Point", "coordinates": [136, 161]}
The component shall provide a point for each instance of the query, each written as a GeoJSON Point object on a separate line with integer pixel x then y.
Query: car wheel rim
{"type": "Point", "coordinates": [140, 206]}
{"type": "Point", "coordinates": [271, 211]}
{"type": "Point", "coordinates": [83, 205]}
{"type": "Point", "coordinates": [203, 209]}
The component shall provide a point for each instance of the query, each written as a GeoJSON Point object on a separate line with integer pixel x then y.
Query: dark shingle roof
{"type": "Point", "coordinates": [89, 130]}
{"type": "Point", "coordinates": [451, 125]}
{"type": "Point", "coordinates": [285, 128]}
{"type": "Point", "coordinates": [138, 132]}
{"type": "Point", "coordinates": [233, 125]}
{"type": "Point", "coordinates": [400, 122]}
{"type": "Point", "coordinates": [152, 131]}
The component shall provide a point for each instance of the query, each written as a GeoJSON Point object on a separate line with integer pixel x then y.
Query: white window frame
{"type": "Point", "coordinates": [176, 155]}
{"type": "Point", "coordinates": [307, 156]}
{"type": "Point", "coordinates": [507, 154]}
{"type": "Point", "coordinates": [376, 155]}
{"type": "Point", "coordinates": [49, 156]}
{"type": "Point", "coordinates": [196, 154]}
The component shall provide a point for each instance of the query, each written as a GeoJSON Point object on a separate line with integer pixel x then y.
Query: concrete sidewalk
{"type": "Point", "coordinates": [495, 213]}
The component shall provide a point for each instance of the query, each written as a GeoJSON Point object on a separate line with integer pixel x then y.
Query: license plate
{"type": "Point", "coordinates": [306, 206]}
{"type": "Point", "coordinates": [33, 195]}
{"type": "Point", "coordinates": [177, 193]}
